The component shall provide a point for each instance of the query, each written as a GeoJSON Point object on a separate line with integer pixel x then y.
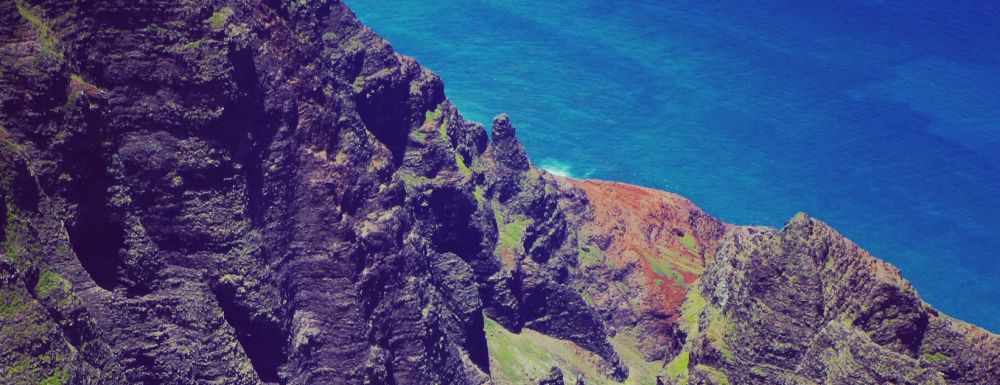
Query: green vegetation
{"type": "Point", "coordinates": [219, 18]}
{"type": "Point", "coordinates": [694, 304]}
{"type": "Point", "coordinates": [411, 180]}
{"type": "Point", "coordinates": [678, 367]}
{"type": "Point", "coordinates": [189, 46]}
{"type": "Point", "coordinates": [340, 158]}
{"type": "Point", "coordinates": [12, 246]}
{"type": "Point", "coordinates": [680, 262]}
{"type": "Point", "coordinates": [230, 279]}
{"type": "Point", "coordinates": [57, 378]}
{"type": "Point", "coordinates": [359, 84]}
{"type": "Point", "coordinates": [589, 255]}
{"type": "Point", "coordinates": [935, 358]}
{"type": "Point", "coordinates": [49, 281]}
{"type": "Point", "coordinates": [523, 358]}
{"type": "Point", "coordinates": [680, 370]}
{"type": "Point", "coordinates": [716, 332]}
{"type": "Point", "coordinates": [480, 194]}
{"type": "Point", "coordinates": [690, 243]}
{"type": "Point", "coordinates": [460, 162]}
{"type": "Point", "coordinates": [517, 359]}
{"type": "Point", "coordinates": [46, 37]}
{"type": "Point", "coordinates": [354, 44]}
{"type": "Point", "coordinates": [716, 375]}
{"type": "Point", "coordinates": [77, 87]}
{"type": "Point", "coordinates": [431, 117]}
{"type": "Point", "coordinates": [18, 368]}
{"type": "Point", "coordinates": [718, 328]}
{"type": "Point", "coordinates": [672, 264]}
{"type": "Point", "coordinates": [830, 263]}
{"type": "Point", "coordinates": [384, 73]}
{"type": "Point", "coordinates": [443, 130]}
{"type": "Point", "coordinates": [640, 371]}
{"type": "Point", "coordinates": [25, 372]}
{"type": "Point", "coordinates": [662, 266]}
{"type": "Point", "coordinates": [511, 234]}
{"type": "Point", "coordinates": [11, 303]}
{"type": "Point", "coordinates": [419, 136]}
{"type": "Point", "coordinates": [76, 78]}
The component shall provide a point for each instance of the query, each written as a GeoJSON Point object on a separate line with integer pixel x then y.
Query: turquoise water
{"type": "Point", "coordinates": [881, 118]}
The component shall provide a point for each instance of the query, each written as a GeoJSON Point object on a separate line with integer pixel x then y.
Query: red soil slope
{"type": "Point", "coordinates": [661, 241]}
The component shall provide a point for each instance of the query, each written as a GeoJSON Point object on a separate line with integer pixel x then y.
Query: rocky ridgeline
{"type": "Point", "coordinates": [263, 192]}
{"type": "Point", "coordinates": [803, 305]}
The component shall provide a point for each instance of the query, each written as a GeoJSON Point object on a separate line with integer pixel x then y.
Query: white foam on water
{"type": "Point", "coordinates": [556, 167]}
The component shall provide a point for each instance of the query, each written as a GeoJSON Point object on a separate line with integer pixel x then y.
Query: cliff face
{"type": "Point", "coordinates": [263, 192]}
{"type": "Point", "coordinates": [803, 305]}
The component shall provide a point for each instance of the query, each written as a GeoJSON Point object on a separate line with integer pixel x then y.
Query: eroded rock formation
{"type": "Point", "coordinates": [264, 192]}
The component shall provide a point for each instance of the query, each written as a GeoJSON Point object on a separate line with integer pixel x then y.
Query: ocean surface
{"type": "Point", "coordinates": [881, 118]}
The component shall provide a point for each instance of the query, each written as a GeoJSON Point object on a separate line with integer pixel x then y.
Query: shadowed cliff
{"type": "Point", "coordinates": [264, 192]}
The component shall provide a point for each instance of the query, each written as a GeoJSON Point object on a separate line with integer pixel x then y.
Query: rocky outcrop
{"type": "Point", "coordinates": [264, 192]}
{"type": "Point", "coordinates": [555, 377]}
{"type": "Point", "coordinates": [804, 305]}
{"type": "Point", "coordinates": [256, 192]}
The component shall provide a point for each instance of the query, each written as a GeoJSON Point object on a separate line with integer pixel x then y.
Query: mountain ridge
{"type": "Point", "coordinates": [266, 193]}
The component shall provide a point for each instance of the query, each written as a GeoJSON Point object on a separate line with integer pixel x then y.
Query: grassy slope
{"type": "Point", "coordinates": [523, 358]}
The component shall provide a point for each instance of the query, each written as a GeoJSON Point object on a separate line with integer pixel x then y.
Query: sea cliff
{"type": "Point", "coordinates": [265, 192]}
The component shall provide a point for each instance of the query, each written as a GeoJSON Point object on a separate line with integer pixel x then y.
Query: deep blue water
{"type": "Point", "coordinates": [881, 118]}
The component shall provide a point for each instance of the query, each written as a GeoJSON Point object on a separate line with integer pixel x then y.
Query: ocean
{"type": "Point", "coordinates": [881, 118]}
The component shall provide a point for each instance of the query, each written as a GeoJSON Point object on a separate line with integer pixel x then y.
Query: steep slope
{"type": "Point", "coordinates": [264, 192]}
{"type": "Point", "coordinates": [646, 248]}
{"type": "Point", "coordinates": [257, 192]}
{"type": "Point", "coordinates": [804, 305]}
